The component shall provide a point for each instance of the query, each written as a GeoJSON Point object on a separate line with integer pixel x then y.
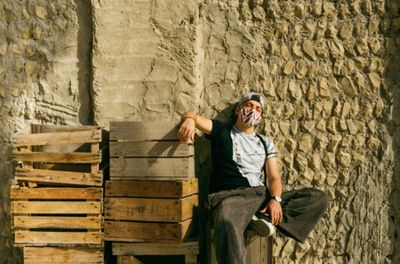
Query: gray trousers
{"type": "Point", "coordinates": [231, 212]}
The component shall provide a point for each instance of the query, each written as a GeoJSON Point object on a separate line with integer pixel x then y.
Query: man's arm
{"type": "Point", "coordinates": [189, 125]}
{"type": "Point", "coordinates": [275, 189]}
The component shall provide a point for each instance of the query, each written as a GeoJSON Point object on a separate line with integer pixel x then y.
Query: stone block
{"type": "Point", "coordinates": [308, 49]}
{"type": "Point", "coordinates": [297, 50]}
{"type": "Point", "coordinates": [301, 162]}
{"type": "Point", "coordinates": [348, 87]}
{"type": "Point", "coordinates": [344, 159]}
{"type": "Point", "coordinates": [41, 12]}
{"type": "Point", "coordinates": [375, 79]}
{"type": "Point", "coordinates": [373, 143]}
{"type": "Point", "coordinates": [329, 160]}
{"type": "Point", "coordinates": [315, 162]}
{"type": "Point", "coordinates": [331, 179]}
{"type": "Point", "coordinates": [305, 143]}
{"type": "Point", "coordinates": [285, 53]}
{"type": "Point", "coordinates": [290, 145]}
{"type": "Point", "coordinates": [288, 68]}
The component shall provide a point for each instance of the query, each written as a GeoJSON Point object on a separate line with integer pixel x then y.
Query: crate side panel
{"type": "Point", "coordinates": [152, 167]}
{"type": "Point", "coordinates": [59, 238]}
{"type": "Point", "coordinates": [61, 138]}
{"type": "Point", "coordinates": [51, 255]}
{"type": "Point", "coordinates": [145, 232]}
{"type": "Point", "coordinates": [150, 149]}
{"type": "Point", "coordinates": [143, 131]}
{"type": "Point", "coordinates": [150, 209]}
{"type": "Point", "coordinates": [57, 222]}
{"type": "Point", "coordinates": [166, 189]}
{"type": "Point", "coordinates": [52, 193]}
{"type": "Point", "coordinates": [56, 207]}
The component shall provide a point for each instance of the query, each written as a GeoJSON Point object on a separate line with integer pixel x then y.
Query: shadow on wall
{"type": "Point", "coordinates": [84, 47]}
{"type": "Point", "coordinates": [390, 93]}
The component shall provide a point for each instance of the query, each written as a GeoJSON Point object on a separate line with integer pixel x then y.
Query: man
{"type": "Point", "coordinates": [238, 197]}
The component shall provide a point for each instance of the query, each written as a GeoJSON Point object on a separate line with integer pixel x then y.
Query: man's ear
{"type": "Point", "coordinates": [237, 110]}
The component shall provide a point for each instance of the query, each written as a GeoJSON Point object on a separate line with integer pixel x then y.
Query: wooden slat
{"type": "Point", "coordinates": [56, 157]}
{"type": "Point", "coordinates": [146, 232]}
{"type": "Point", "coordinates": [59, 207]}
{"type": "Point", "coordinates": [94, 167]}
{"type": "Point", "coordinates": [39, 128]}
{"type": "Point", "coordinates": [150, 209]}
{"type": "Point", "coordinates": [18, 193]}
{"type": "Point", "coordinates": [147, 178]}
{"type": "Point", "coordinates": [143, 131]}
{"type": "Point", "coordinates": [60, 138]}
{"type": "Point", "coordinates": [52, 255]}
{"type": "Point", "coordinates": [46, 237]}
{"type": "Point", "coordinates": [162, 167]}
{"type": "Point", "coordinates": [61, 177]}
{"type": "Point", "coordinates": [26, 222]}
{"type": "Point", "coordinates": [140, 249]}
{"type": "Point", "coordinates": [166, 189]}
{"type": "Point", "coordinates": [150, 149]}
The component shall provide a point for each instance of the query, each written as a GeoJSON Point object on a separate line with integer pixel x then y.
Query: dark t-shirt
{"type": "Point", "coordinates": [225, 174]}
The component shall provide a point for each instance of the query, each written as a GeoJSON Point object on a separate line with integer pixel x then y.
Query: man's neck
{"type": "Point", "coordinates": [243, 128]}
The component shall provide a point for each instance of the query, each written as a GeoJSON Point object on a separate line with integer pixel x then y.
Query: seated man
{"type": "Point", "coordinates": [238, 197]}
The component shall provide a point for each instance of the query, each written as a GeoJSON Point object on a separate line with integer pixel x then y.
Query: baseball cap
{"type": "Point", "coordinates": [252, 96]}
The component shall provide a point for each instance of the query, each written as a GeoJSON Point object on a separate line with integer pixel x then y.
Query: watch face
{"type": "Point", "coordinates": [277, 198]}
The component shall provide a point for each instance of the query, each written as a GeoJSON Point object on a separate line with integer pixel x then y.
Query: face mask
{"type": "Point", "coordinates": [250, 117]}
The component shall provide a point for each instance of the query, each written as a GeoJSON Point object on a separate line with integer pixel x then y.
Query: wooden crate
{"type": "Point", "coordinates": [57, 216]}
{"type": "Point", "coordinates": [149, 151]}
{"type": "Point", "coordinates": [60, 155]}
{"type": "Point", "coordinates": [149, 211]}
{"type": "Point", "coordinates": [53, 255]}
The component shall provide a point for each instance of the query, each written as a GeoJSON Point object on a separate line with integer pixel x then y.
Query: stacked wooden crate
{"type": "Point", "coordinates": [57, 200]}
{"type": "Point", "coordinates": [152, 193]}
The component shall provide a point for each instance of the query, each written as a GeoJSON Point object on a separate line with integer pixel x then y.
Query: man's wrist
{"type": "Point", "coordinates": [276, 198]}
{"type": "Point", "coordinates": [190, 115]}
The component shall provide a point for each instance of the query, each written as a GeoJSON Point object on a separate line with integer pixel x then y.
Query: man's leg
{"type": "Point", "coordinates": [301, 211]}
{"type": "Point", "coordinates": [231, 215]}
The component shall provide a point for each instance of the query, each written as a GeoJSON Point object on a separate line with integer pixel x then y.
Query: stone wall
{"type": "Point", "coordinates": [323, 69]}
{"type": "Point", "coordinates": [328, 69]}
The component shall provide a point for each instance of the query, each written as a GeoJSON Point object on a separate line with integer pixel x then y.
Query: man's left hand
{"type": "Point", "coordinates": [274, 209]}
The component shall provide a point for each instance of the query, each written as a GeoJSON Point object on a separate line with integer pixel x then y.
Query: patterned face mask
{"type": "Point", "coordinates": [250, 117]}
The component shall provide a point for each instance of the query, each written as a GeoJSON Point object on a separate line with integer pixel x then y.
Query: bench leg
{"type": "Point", "coordinates": [190, 259]}
{"type": "Point", "coordinates": [128, 260]}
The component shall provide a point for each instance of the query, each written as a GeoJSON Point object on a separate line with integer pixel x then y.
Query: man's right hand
{"type": "Point", "coordinates": [187, 131]}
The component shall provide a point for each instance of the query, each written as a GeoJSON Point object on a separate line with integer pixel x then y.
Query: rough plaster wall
{"type": "Point", "coordinates": [144, 59]}
{"type": "Point", "coordinates": [44, 78]}
{"type": "Point", "coordinates": [321, 66]}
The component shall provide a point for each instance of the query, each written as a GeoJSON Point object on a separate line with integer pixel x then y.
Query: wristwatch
{"type": "Point", "coordinates": [277, 198]}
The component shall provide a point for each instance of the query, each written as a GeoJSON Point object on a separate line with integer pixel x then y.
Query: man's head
{"type": "Point", "coordinates": [250, 108]}
{"type": "Point", "coordinates": [252, 96]}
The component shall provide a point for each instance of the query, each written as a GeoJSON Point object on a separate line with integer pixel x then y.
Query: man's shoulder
{"type": "Point", "coordinates": [220, 125]}
{"type": "Point", "coordinates": [263, 137]}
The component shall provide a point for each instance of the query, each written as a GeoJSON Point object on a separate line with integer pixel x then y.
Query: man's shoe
{"type": "Point", "coordinates": [261, 225]}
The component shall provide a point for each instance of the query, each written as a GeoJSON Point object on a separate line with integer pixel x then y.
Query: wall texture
{"type": "Point", "coordinates": [144, 58]}
{"type": "Point", "coordinates": [328, 69]}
